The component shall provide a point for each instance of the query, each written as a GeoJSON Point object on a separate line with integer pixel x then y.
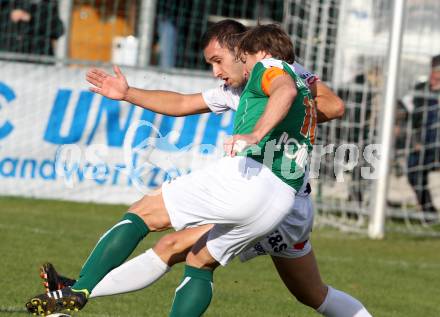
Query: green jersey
{"type": "Point", "coordinates": [286, 147]}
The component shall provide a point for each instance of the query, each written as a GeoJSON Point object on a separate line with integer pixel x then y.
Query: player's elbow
{"type": "Point", "coordinates": [175, 105]}
{"type": "Point", "coordinates": [331, 104]}
{"type": "Point", "coordinates": [191, 104]}
{"type": "Point", "coordinates": [179, 113]}
{"type": "Point", "coordinates": [182, 106]}
{"type": "Point", "coordinates": [339, 108]}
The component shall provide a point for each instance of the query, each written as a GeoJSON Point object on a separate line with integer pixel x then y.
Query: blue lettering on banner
{"type": "Point", "coordinates": [153, 179]}
{"type": "Point", "coordinates": [118, 169]}
{"type": "Point", "coordinates": [214, 127]}
{"type": "Point", "coordinates": [186, 136]}
{"type": "Point", "coordinates": [134, 173]}
{"type": "Point", "coordinates": [27, 162]}
{"type": "Point", "coordinates": [69, 171]}
{"type": "Point", "coordinates": [115, 133]}
{"type": "Point", "coordinates": [144, 131]}
{"type": "Point", "coordinates": [8, 167]}
{"type": "Point", "coordinates": [47, 170]}
{"type": "Point", "coordinates": [58, 114]}
{"type": "Point", "coordinates": [110, 113]}
{"type": "Point", "coordinates": [101, 174]}
{"type": "Point", "coordinates": [71, 114]}
{"type": "Point", "coordinates": [9, 95]}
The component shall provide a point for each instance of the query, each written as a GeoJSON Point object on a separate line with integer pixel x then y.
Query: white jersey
{"type": "Point", "coordinates": [224, 98]}
{"type": "Point", "coordinates": [231, 193]}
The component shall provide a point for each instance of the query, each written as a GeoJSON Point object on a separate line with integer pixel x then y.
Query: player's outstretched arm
{"type": "Point", "coordinates": [328, 104]}
{"type": "Point", "coordinates": [160, 101]}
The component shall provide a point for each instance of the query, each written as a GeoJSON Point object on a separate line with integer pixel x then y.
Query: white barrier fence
{"type": "Point", "coordinates": [48, 110]}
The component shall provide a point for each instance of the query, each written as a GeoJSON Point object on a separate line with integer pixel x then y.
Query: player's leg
{"type": "Point", "coordinates": [112, 249]}
{"type": "Point", "coordinates": [194, 293]}
{"type": "Point", "coordinates": [295, 262]}
{"type": "Point", "coordinates": [221, 244]}
{"type": "Point", "coordinates": [191, 204]}
{"type": "Point", "coordinates": [188, 203]}
{"type": "Point", "coordinates": [234, 180]}
{"type": "Point", "coordinates": [145, 269]}
{"type": "Point", "coordinates": [139, 272]}
{"type": "Point", "coordinates": [301, 276]}
{"type": "Point", "coordinates": [174, 247]}
{"type": "Point", "coordinates": [116, 245]}
{"type": "Point", "coordinates": [234, 196]}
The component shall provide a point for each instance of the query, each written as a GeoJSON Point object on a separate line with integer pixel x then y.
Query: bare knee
{"type": "Point", "coordinates": [199, 255]}
{"type": "Point", "coordinates": [152, 210]}
{"type": "Point", "coordinates": [313, 297]}
{"type": "Point", "coordinates": [171, 250]}
{"type": "Point", "coordinates": [201, 261]}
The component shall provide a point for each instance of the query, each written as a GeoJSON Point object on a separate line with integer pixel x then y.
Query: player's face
{"type": "Point", "coordinates": [249, 61]}
{"type": "Point", "coordinates": [434, 80]}
{"type": "Point", "coordinates": [224, 64]}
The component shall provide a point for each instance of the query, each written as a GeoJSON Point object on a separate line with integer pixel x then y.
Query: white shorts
{"type": "Point", "coordinates": [241, 197]}
{"type": "Point", "coordinates": [291, 238]}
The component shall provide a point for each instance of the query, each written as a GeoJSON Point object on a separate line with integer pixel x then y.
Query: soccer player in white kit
{"type": "Point", "coordinates": [280, 244]}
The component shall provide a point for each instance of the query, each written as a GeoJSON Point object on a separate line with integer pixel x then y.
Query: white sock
{"type": "Point", "coordinates": [340, 304]}
{"type": "Point", "coordinates": [133, 275]}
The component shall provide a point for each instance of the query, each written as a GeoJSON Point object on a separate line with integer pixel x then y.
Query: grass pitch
{"type": "Point", "coordinates": [395, 277]}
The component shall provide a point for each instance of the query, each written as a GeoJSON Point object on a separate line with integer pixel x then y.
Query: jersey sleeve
{"type": "Point", "coordinates": [222, 99]}
{"type": "Point", "coordinates": [309, 77]}
{"type": "Point", "coordinates": [262, 75]}
{"type": "Point", "coordinates": [268, 76]}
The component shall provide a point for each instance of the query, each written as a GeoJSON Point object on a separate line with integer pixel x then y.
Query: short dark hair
{"type": "Point", "coordinates": [435, 62]}
{"type": "Point", "coordinates": [227, 33]}
{"type": "Point", "coordinates": [269, 38]}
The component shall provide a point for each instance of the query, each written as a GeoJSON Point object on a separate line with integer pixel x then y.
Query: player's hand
{"type": "Point", "coordinates": [113, 87]}
{"type": "Point", "coordinates": [238, 143]}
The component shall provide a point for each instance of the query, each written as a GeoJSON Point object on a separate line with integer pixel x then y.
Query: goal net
{"type": "Point", "coordinates": [346, 43]}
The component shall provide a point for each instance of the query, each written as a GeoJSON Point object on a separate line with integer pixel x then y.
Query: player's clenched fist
{"type": "Point", "coordinates": [113, 87]}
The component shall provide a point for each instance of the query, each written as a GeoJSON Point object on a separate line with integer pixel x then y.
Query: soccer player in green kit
{"type": "Point", "coordinates": [306, 125]}
{"type": "Point", "coordinates": [274, 124]}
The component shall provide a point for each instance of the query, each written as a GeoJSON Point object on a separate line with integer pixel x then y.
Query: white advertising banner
{"type": "Point", "coordinates": [59, 140]}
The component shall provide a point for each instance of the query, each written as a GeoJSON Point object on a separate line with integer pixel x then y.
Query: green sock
{"type": "Point", "coordinates": [194, 293]}
{"type": "Point", "coordinates": [112, 249]}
